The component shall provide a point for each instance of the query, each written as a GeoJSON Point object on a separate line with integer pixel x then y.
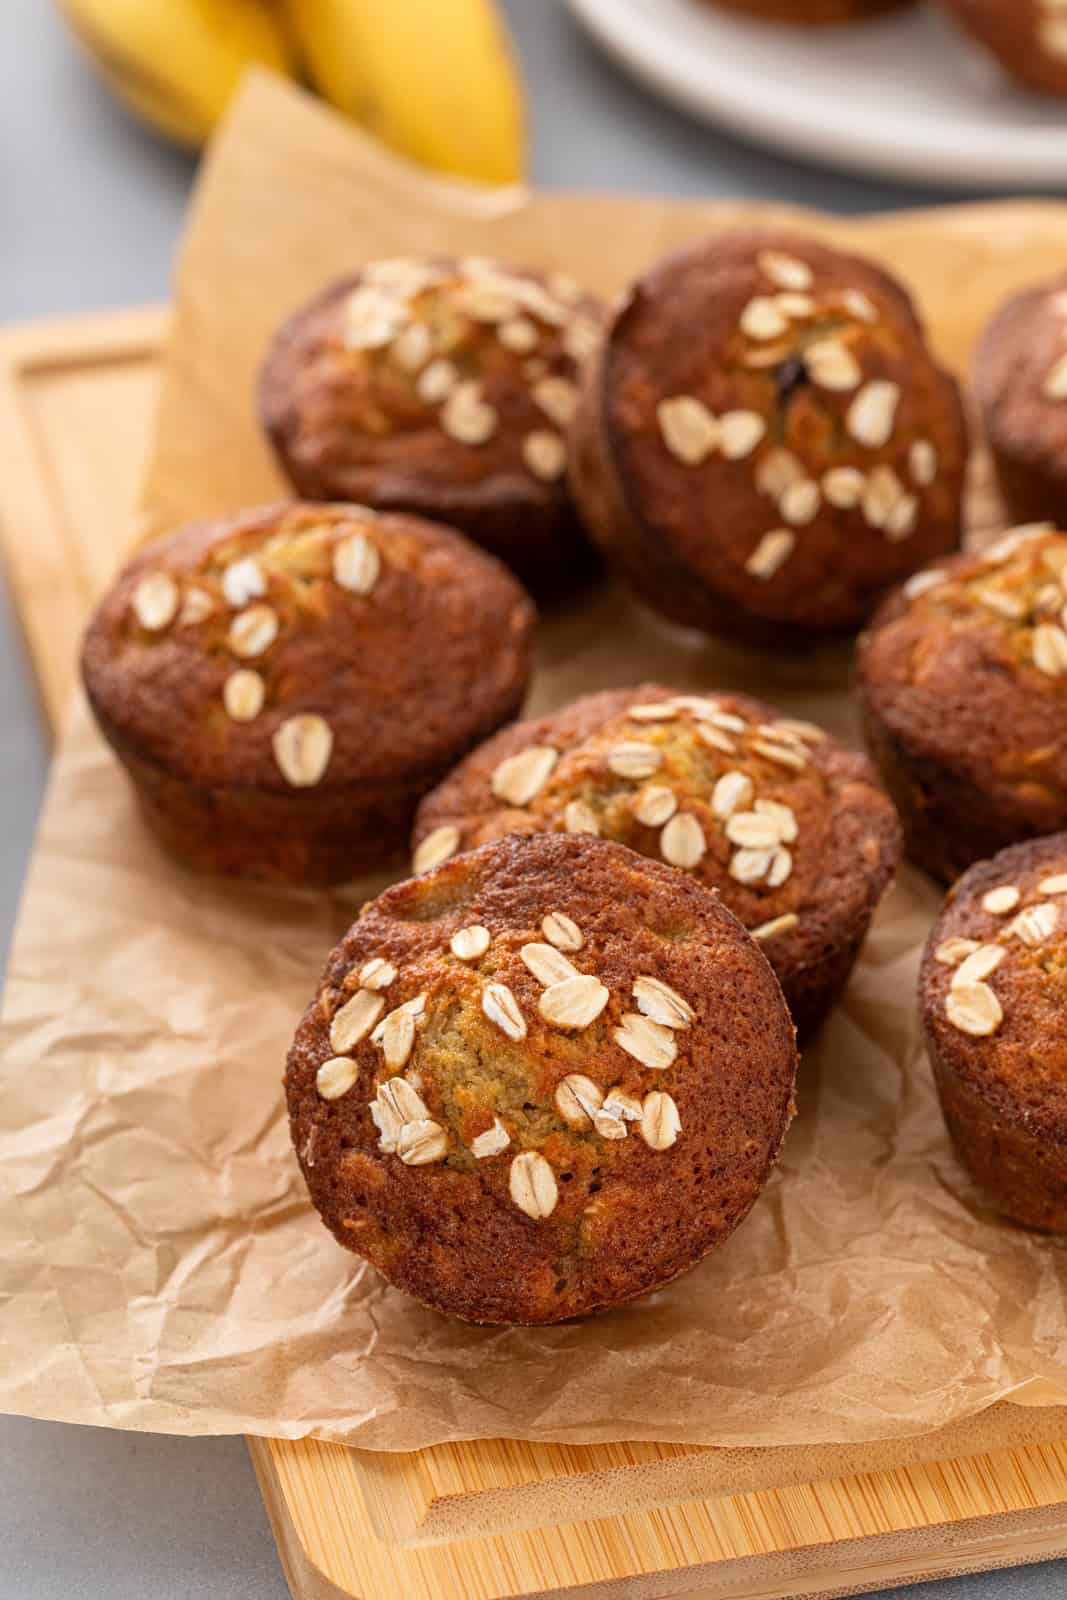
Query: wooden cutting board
{"type": "Point", "coordinates": [503, 1518]}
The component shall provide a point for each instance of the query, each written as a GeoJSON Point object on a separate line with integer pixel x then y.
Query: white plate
{"type": "Point", "coordinates": [905, 96]}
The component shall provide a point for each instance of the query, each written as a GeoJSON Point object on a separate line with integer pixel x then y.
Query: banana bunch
{"type": "Point", "coordinates": [434, 79]}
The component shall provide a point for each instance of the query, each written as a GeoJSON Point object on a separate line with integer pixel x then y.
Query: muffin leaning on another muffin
{"type": "Point", "coordinates": [764, 443]}
{"type": "Point", "coordinates": [1028, 38]}
{"type": "Point", "coordinates": [812, 11]}
{"type": "Point", "coordinates": [540, 1081]}
{"type": "Point", "coordinates": [791, 829]}
{"type": "Point", "coordinates": [441, 387]}
{"type": "Point", "coordinates": [963, 685]}
{"type": "Point", "coordinates": [993, 991]}
{"type": "Point", "coordinates": [282, 686]}
{"type": "Point", "coordinates": [1020, 378]}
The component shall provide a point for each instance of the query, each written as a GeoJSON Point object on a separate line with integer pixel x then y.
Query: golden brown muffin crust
{"type": "Point", "coordinates": [309, 654]}
{"type": "Point", "coordinates": [764, 442]}
{"type": "Point", "coordinates": [442, 387]}
{"type": "Point", "coordinates": [582, 1196]}
{"type": "Point", "coordinates": [963, 677]}
{"type": "Point", "coordinates": [993, 991]}
{"type": "Point", "coordinates": [792, 830]}
{"type": "Point", "coordinates": [1027, 37]}
{"type": "Point", "coordinates": [1020, 377]}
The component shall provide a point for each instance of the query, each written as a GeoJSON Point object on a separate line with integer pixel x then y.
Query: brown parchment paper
{"type": "Point", "coordinates": [160, 1266]}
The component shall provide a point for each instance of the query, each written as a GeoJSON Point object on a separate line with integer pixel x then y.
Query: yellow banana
{"type": "Point", "coordinates": [434, 79]}
{"type": "Point", "coordinates": [177, 62]}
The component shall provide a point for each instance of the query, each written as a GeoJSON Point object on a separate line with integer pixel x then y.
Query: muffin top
{"type": "Point", "coordinates": [430, 382]}
{"type": "Point", "coordinates": [776, 418]}
{"type": "Point", "coordinates": [307, 645]}
{"type": "Point", "coordinates": [967, 666]}
{"type": "Point", "coordinates": [543, 1079]}
{"type": "Point", "coordinates": [994, 983]}
{"type": "Point", "coordinates": [790, 828]}
{"type": "Point", "coordinates": [1021, 375]}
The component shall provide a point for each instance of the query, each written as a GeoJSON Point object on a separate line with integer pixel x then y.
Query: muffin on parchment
{"type": "Point", "coordinates": [1028, 38]}
{"type": "Point", "coordinates": [764, 443]}
{"type": "Point", "coordinates": [540, 1081]}
{"type": "Point", "coordinates": [282, 686]}
{"type": "Point", "coordinates": [812, 11]}
{"type": "Point", "coordinates": [441, 387]}
{"type": "Point", "coordinates": [963, 686]}
{"type": "Point", "coordinates": [1020, 381]}
{"type": "Point", "coordinates": [993, 992]}
{"type": "Point", "coordinates": [791, 829]}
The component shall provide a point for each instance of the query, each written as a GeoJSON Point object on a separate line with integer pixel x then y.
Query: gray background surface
{"type": "Point", "coordinates": [90, 210]}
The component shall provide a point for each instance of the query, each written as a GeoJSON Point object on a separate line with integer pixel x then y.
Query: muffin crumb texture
{"type": "Point", "coordinates": [542, 1080]}
{"type": "Point", "coordinates": [993, 992]}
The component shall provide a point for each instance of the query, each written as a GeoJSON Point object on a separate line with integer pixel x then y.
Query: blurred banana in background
{"type": "Point", "coordinates": [433, 79]}
{"type": "Point", "coordinates": [177, 62]}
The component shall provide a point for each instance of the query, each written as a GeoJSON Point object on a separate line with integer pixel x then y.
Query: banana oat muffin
{"type": "Point", "coordinates": [540, 1081]}
{"type": "Point", "coordinates": [818, 11]}
{"type": "Point", "coordinates": [1028, 38]}
{"type": "Point", "coordinates": [444, 388]}
{"type": "Point", "coordinates": [764, 442]}
{"type": "Point", "coordinates": [791, 829]}
{"type": "Point", "coordinates": [963, 685]}
{"type": "Point", "coordinates": [1020, 378]}
{"type": "Point", "coordinates": [282, 686]}
{"type": "Point", "coordinates": [993, 991]}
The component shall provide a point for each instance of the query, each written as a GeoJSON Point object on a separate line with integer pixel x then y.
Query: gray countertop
{"type": "Point", "coordinates": [90, 211]}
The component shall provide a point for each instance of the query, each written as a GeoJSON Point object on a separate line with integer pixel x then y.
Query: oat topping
{"type": "Point", "coordinates": [574, 1002]}
{"type": "Point", "coordinates": [421, 1142]}
{"type": "Point", "coordinates": [655, 805]}
{"type": "Point", "coordinates": [557, 398]}
{"type": "Point", "coordinates": [377, 973]}
{"type": "Point", "coordinates": [470, 944]}
{"type": "Point", "coordinates": [501, 1007]}
{"type": "Point", "coordinates": [682, 843]}
{"type": "Point", "coordinates": [660, 1122]}
{"type": "Point", "coordinates": [437, 848]}
{"type": "Point", "coordinates": [1034, 925]}
{"type": "Point", "coordinates": [974, 1010]}
{"type": "Point", "coordinates": [648, 1042]}
{"type": "Point", "coordinates": [356, 564]}
{"type": "Point", "coordinates": [466, 415]}
{"type": "Point", "coordinates": [155, 600]}
{"type": "Point", "coordinates": [635, 760]}
{"type": "Point", "coordinates": [532, 1185]}
{"type": "Point", "coordinates": [335, 1077]}
{"type": "Point", "coordinates": [196, 607]}
{"type": "Point", "coordinates": [545, 454]}
{"type": "Point", "coordinates": [1001, 900]}
{"type": "Point", "coordinates": [578, 1099]}
{"type": "Point", "coordinates": [243, 694]}
{"type": "Point", "coordinates": [242, 581]}
{"type": "Point", "coordinates": [784, 270]}
{"type": "Point", "coordinates": [580, 818]}
{"type": "Point", "coordinates": [491, 1142]}
{"type": "Point", "coordinates": [302, 748]}
{"type": "Point", "coordinates": [355, 1020]}
{"type": "Point", "coordinates": [520, 778]}
{"type": "Point", "coordinates": [253, 631]}
{"type": "Point", "coordinates": [688, 428]}
{"type": "Point", "coordinates": [396, 1035]}
{"type": "Point", "coordinates": [562, 931]}
{"type": "Point", "coordinates": [548, 964]}
{"type": "Point", "coordinates": [769, 930]}
{"type": "Point", "coordinates": [871, 415]}
{"type": "Point", "coordinates": [773, 550]}
{"type": "Point", "coordinates": [663, 1004]}
{"type": "Point", "coordinates": [951, 951]}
